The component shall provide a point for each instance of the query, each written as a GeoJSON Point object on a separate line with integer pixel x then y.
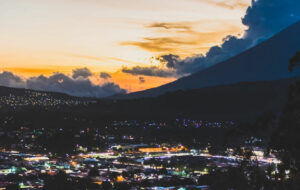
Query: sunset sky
{"type": "Point", "coordinates": [47, 36]}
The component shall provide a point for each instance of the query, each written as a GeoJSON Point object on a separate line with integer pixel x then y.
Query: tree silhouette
{"type": "Point", "coordinates": [294, 61]}
{"type": "Point", "coordinates": [93, 172]}
{"type": "Point", "coordinates": [106, 185]}
{"type": "Point", "coordinates": [59, 181]}
{"type": "Point", "coordinates": [286, 138]}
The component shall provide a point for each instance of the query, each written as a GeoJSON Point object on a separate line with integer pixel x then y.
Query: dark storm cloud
{"type": "Point", "coordinates": [59, 82]}
{"type": "Point", "coordinates": [81, 72]}
{"type": "Point", "coordinates": [230, 47]}
{"type": "Point", "coordinates": [142, 80]}
{"type": "Point", "coordinates": [105, 75]}
{"type": "Point", "coordinates": [264, 18]}
{"type": "Point", "coordinates": [149, 71]}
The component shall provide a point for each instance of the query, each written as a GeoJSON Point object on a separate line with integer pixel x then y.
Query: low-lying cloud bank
{"type": "Point", "coordinates": [142, 79]}
{"type": "Point", "coordinates": [77, 85]}
{"type": "Point", "coordinates": [263, 19]}
{"type": "Point", "coordinates": [105, 75]}
{"type": "Point", "coordinates": [149, 71]}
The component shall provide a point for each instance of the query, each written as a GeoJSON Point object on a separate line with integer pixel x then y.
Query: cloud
{"type": "Point", "coordinates": [81, 72]}
{"type": "Point", "coordinates": [228, 4]}
{"type": "Point", "coordinates": [266, 17]}
{"type": "Point", "coordinates": [180, 44]}
{"type": "Point", "coordinates": [176, 67]}
{"type": "Point", "coordinates": [230, 47]}
{"type": "Point", "coordinates": [149, 71]}
{"type": "Point", "coordinates": [263, 19]}
{"type": "Point", "coordinates": [9, 79]}
{"type": "Point", "coordinates": [102, 59]}
{"type": "Point", "coordinates": [181, 37]}
{"type": "Point", "coordinates": [105, 75]}
{"type": "Point", "coordinates": [166, 25]}
{"type": "Point", "coordinates": [142, 80]}
{"type": "Point", "coordinates": [160, 44]}
{"type": "Point", "coordinates": [59, 82]}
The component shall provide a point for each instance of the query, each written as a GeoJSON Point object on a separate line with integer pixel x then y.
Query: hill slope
{"type": "Point", "coordinates": [6, 91]}
{"type": "Point", "coordinates": [266, 61]}
{"type": "Point", "coordinates": [241, 101]}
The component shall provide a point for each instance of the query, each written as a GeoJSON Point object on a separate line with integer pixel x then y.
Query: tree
{"type": "Point", "coordinates": [234, 178]}
{"type": "Point", "coordinates": [13, 187]}
{"type": "Point", "coordinates": [59, 181]}
{"type": "Point", "coordinates": [93, 172]}
{"type": "Point", "coordinates": [286, 138]}
{"type": "Point", "coordinates": [106, 185]}
{"type": "Point", "coordinates": [122, 186]}
{"type": "Point", "coordinates": [294, 61]}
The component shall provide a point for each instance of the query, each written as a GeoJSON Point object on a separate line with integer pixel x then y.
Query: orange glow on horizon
{"type": "Point", "coordinates": [132, 83]}
{"type": "Point", "coordinates": [49, 36]}
{"type": "Point", "coordinates": [126, 81]}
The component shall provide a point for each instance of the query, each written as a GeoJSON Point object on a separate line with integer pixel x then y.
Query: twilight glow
{"type": "Point", "coordinates": [43, 37]}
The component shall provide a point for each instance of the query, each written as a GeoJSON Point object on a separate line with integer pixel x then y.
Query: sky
{"type": "Point", "coordinates": [102, 47]}
{"type": "Point", "coordinates": [49, 36]}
